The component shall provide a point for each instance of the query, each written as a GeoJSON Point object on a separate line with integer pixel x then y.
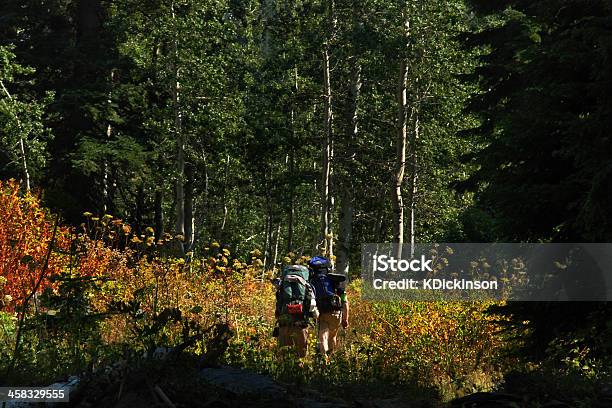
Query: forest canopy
{"type": "Point", "coordinates": [268, 124]}
{"type": "Point", "coordinates": [308, 125]}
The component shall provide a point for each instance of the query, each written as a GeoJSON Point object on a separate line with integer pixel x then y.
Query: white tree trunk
{"type": "Point", "coordinates": [277, 240]}
{"type": "Point", "coordinates": [400, 164]}
{"type": "Point", "coordinates": [291, 169]}
{"type": "Point", "coordinates": [328, 152]}
{"type": "Point", "coordinates": [225, 190]}
{"type": "Point", "coordinates": [346, 208]}
{"type": "Point", "coordinates": [189, 207]}
{"type": "Point", "coordinates": [326, 231]}
{"type": "Point", "coordinates": [291, 213]}
{"type": "Point", "coordinates": [24, 162]}
{"type": "Point", "coordinates": [412, 197]}
{"type": "Point", "coordinates": [22, 147]}
{"type": "Point", "coordinates": [109, 133]}
{"type": "Point", "coordinates": [180, 140]}
{"type": "Point", "coordinates": [268, 234]}
{"type": "Point", "coordinates": [346, 232]}
{"type": "Point", "coordinates": [159, 213]}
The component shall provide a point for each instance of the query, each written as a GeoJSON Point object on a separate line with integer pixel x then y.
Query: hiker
{"type": "Point", "coordinates": [331, 301]}
{"type": "Point", "coordinates": [295, 306]}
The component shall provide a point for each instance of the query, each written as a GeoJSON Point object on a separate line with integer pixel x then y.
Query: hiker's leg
{"type": "Point", "coordinates": [300, 336]}
{"type": "Point", "coordinates": [324, 333]}
{"type": "Point", "coordinates": [334, 322]}
{"type": "Point", "coordinates": [284, 336]}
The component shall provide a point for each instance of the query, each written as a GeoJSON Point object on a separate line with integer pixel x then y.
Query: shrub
{"type": "Point", "coordinates": [109, 293]}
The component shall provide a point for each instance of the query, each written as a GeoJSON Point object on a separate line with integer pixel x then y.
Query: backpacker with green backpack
{"type": "Point", "coordinates": [295, 300]}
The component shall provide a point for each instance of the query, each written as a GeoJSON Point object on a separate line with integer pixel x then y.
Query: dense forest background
{"type": "Point", "coordinates": [196, 145]}
{"type": "Point", "coordinates": [313, 125]}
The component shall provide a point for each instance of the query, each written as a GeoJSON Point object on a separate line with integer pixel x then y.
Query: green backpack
{"type": "Point", "coordinates": [295, 300]}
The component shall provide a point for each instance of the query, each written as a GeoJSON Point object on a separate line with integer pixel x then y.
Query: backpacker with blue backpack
{"type": "Point", "coordinates": [325, 284]}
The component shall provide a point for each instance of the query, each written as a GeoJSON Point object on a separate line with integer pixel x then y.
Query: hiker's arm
{"type": "Point", "coordinates": [345, 311]}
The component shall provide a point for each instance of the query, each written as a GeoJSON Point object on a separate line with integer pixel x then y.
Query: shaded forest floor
{"type": "Point", "coordinates": [182, 382]}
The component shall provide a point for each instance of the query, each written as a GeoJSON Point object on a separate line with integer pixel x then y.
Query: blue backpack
{"type": "Point", "coordinates": [319, 263]}
{"type": "Point", "coordinates": [324, 286]}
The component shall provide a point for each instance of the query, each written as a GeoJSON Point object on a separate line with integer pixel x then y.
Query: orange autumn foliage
{"type": "Point", "coordinates": [26, 229]}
